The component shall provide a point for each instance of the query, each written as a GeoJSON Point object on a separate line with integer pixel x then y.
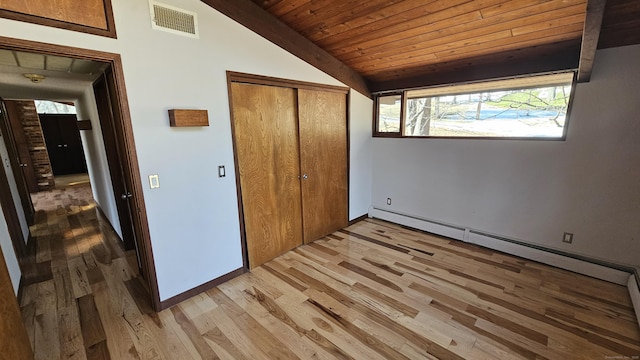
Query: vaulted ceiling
{"type": "Point", "coordinates": [388, 39]}
{"type": "Point", "coordinates": [393, 44]}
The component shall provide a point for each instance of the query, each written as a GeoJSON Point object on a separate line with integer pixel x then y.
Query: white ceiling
{"type": "Point", "coordinates": [48, 62]}
{"type": "Point", "coordinates": [65, 78]}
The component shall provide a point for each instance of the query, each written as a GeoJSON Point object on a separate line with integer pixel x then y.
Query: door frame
{"type": "Point", "coordinates": [129, 159]}
{"type": "Point", "coordinates": [245, 78]}
{"type": "Point", "coordinates": [16, 163]}
{"type": "Point", "coordinates": [14, 340]}
{"type": "Point", "coordinates": [112, 150]}
{"type": "Point", "coordinates": [17, 130]}
{"type": "Point", "coordinates": [11, 217]}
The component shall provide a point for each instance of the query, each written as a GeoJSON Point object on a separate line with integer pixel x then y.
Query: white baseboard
{"type": "Point", "coordinates": [451, 231]}
{"type": "Point", "coordinates": [634, 292]}
{"type": "Point", "coordinates": [578, 264]}
{"type": "Point", "coordinates": [546, 257]}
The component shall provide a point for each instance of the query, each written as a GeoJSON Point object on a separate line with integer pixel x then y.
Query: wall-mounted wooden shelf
{"type": "Point", "coordinates": [84, 125]}
{"type": "Point", "coordinates": [179, 118]}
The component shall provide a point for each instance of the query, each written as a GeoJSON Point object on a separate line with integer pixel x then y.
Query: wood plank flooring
{"type": "Point", "coordinates": [63, 181]}
{"type": "Point", "coordinates": [374, 290]}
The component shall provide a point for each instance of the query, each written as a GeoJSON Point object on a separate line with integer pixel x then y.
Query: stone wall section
{"type": "Point", "coordinates": [37, 146]}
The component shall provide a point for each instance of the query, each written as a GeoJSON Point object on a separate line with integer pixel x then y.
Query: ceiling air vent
{"type": "Point", "coordinates": [172, 19]}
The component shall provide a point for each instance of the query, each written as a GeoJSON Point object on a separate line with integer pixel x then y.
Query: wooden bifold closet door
{"type": "Point", "coordinates": [323, 159]}
{"type": "Point", "coordinates": [266, 135]}
{"type": "Point", "coordinates": [291, 157]}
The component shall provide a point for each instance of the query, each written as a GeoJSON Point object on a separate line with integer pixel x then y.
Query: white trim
{"type": "Point", "coordinates": [452, 231]}
{"type": "Point", "coordinates": [514, 248]}
{"type": "Point", "coordinates": [563, 262]}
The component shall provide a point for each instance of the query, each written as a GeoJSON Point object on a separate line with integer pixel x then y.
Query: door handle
{"type": "Point", "coordinates": [305, 176]}
{"type": "Point", "coordinates": [23, 165]}
{"type": "Point", "coordinates": [127, 195]}
{"type": "Point", "coordinates": [59, 145]}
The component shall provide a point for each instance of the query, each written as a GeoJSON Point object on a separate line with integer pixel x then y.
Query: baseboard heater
{"type": "Point", "coordinates": [634, 292]}
{"type": "Point", "coordinates": [599, 269]}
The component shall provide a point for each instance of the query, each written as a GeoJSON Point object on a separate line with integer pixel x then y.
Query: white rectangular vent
{"type": "Point", "coordinates": [174, 20]}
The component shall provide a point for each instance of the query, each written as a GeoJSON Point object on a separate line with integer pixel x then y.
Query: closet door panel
{"type": "Point", "coordinates": [266, 140]}
{"type": "Point", "coordinates": [323, 159]}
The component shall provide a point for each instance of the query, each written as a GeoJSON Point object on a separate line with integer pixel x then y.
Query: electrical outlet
{"type": "Point", "coordinates": [388, 201]}
{"type": "Point", "coordinates": [567, 238]}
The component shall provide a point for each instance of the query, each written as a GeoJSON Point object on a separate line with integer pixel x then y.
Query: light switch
{"type": "Point", "coordinates": [154, 181]}
{"type": "Point", "coordinates": [221, 171]}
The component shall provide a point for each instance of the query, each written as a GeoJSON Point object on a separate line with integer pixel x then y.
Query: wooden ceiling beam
{"type": "Point", "coordinates": [620, 24]}
{"type": "Point", "coordinates": [266, 25]}
{"type": "Point", "coordinates": [555, 57]}
{"type": "Point", "coordinates": [590, 35]}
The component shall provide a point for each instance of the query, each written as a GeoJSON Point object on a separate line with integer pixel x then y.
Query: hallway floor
{"type": "Point", "coordinates": [63, 181]}
{"type": "Point", "coordinates": [76, 255]}
{"type": "Point", "coordinates": [374, 290]}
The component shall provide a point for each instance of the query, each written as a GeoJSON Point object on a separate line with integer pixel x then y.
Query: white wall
{"type": "Point", "coordinates": [193, 217]}
{"type": "Point", "coordinates": [9, 254]}
{"type": "Point", "coordinates": [533, 191]}
{"type": "Point", "coordinates": [360, 152]}
{"type": "Point", "coordinates": [95, 154]}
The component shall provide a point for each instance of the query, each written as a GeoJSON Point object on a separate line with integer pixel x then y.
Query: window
{"type": "Point", "coordinates": [54, 107]}
{"type": "Point", "coordinates": [389, 114]}
{"type": "Point", "coordinates": [531, 107]}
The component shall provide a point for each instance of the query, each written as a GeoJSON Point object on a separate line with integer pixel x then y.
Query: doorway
{"type": "Point", "coordinates": [120, 125]}
{"type": "Point", "coordinates": [48, 143]}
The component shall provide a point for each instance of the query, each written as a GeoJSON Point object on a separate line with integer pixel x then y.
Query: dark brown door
{"type": "Point", "coordinates": [21, 142]}
{"type": "Point", "coordinates": [323, 162]}
{"type": "Point", "coordinates": [10, 213]}
{"type": "Point", "coordinates": [14, 341]}
{"type": "Point", "coordinates": [16, 164]}
{"type": "Point", "coordinates": [266, 139]}
{"type": "Point", "coordinates": [64, 145]}
{"type": "Point", "coordinates": [106, 101]}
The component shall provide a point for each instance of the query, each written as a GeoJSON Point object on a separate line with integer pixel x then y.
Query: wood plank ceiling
{"type": "Point", "coordinates": [620, 24]}
{"type": "Point", "coordinates": [396, 44]}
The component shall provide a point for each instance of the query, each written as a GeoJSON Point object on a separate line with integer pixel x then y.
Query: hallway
{"type": "Point", "coordinates": [65, 283]}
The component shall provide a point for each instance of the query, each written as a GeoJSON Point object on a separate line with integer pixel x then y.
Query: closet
{"type": "Point", "coordinates": [64, 144]}
{"type": "Point", "coordinates": [290, 144]}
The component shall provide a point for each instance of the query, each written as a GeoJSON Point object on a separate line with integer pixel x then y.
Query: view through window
{"type": "Point", "coordinates": [533, 107]}
{"type": "Point", "coordinates": [54, 107]}
{"type": "Point", "coordinates": [389, 113]}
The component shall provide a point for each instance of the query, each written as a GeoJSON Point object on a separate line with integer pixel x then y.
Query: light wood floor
{"type": "Point", "coordinates": [372, 291]}
{"type": "Point", "coordinates": [63, 181]}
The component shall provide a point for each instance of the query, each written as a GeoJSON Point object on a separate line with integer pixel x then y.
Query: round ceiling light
{"type": "Point", "coordinates": [35, 78]}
